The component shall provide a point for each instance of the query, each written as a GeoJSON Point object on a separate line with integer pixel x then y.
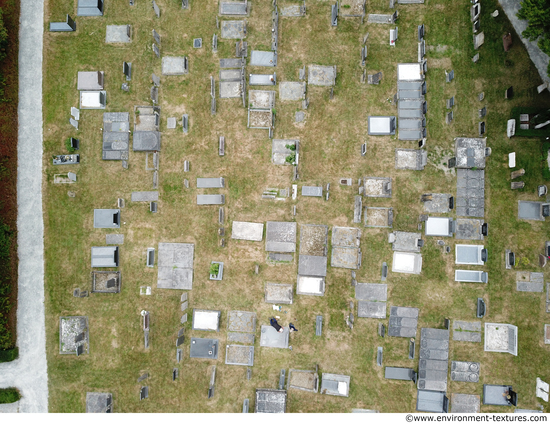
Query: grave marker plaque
{"type": "Point", "coordinates": [144, 393]}
{"type": "Point", "coordinates": [156, 9]}
{"type": "Point", "coordinates": [185, 123]}
{"type": "Point", "coordinates": [483, 112]}
{"type": "Point", "coordinates": [215, 43]}
{"type": "Point", "coordinates": [156, 37]}
{"type": "Point", "coordinates": [74, 123]}
{"type": "Point", "coordinates": [334, 15]}
{"type": "Point", "coordinates": [156, 50]}
{"type": "Point", "coordinates": [185, 4]}
{"type": "Point", "coordinates": [175, 374]}
{"type": "Point", "coordinates": [127, 70]}
{"type": "Point", "coordinates": [79, 350]}
{"type": "Point", "coordinates": [180, 340]}
{"type": "Point", "coordinates": [179, 355]}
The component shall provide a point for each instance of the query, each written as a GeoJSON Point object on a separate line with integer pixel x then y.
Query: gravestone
{"type": "Point", "coordinates": [197, 43]}
{"type": "Point", "coordinates": [156, 50]}
{"type": "Point", "coordinates": [179, 355]}
{"type": "Point", "coordinates": [375, 78]}
{"type": "Point", "coordinates": [175, 374]}
{"type": "Point", "coordinates": [125, 87]}
{"type": "Point", "coordinates": [481, 128]}
{"type": "Point", "coordinates": [363, 55]}
{"type": "Point", "coordinates": [420, 32]}
{"type": "Point", "coordinates": [74, 123]}
{"type": "Point", "coordinates": [215, 43]}
{"type": "Point", "coordinates": [379, 356]}
{"type": "Point", "coordinates": [475, 59]}
{"type": "Point", "coordinates": [248, 374]}
{"type": "Point", "coordinates": [482, 112]}
{"type": "Point", "coordinates": [449, 76]}
{"type": "Point", "coordinates": [156, 80]}
{"type": "Point", "coordinates": [185, 123]}
{"type": "Point", "coordinates": [156, 9]}
{"type": "Point", "coordinates": [450, 102]}
{"type": "Point", "coordinates": [282, 376]}
{"type": "Point", "coordinates": [171, 123]}
{"type": "Point", "coordinates": [142, 377]}
{"type": "Point", "coordinates": [479, 39]}
{"type": "Point", "coordinates": [144, 393]}
{"type": "Point", "coordinates": [183, 297]}
{"type": "Point", "coordinates": [449, 117]}
{"type": "Point", "coordinates": [212, 383]}
{"type": "Point", "coordinates": [79, 349]}
{"type": "Point", "coordinates": [334, 15]}
{"type": "Point", "coordinates": [319, 325]}
{"type": "Point", "coordinates": [75, 113]}
{"type": "Point", "coordinates": [185, 4]}
{"type": "Point", "coordinates": [184, 306]}
{"type": "Point", "coordinates": [154, 94]}
{"type": "Point", "coordinates": [183, 319]}
{"type": "Point", "coordinates": [221, 215]}
{"type": "Point", "coordinates": [412, 345]}
{"type": "Point", "coordinates": [509, 93]}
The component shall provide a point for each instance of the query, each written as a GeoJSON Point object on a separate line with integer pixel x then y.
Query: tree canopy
{"type": "Point", "coordinates": [537, 13]}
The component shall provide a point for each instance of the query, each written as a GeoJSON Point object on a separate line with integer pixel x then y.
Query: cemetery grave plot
{"type": "Point", "coordinates": [233, 29]}
{"type": "Point", "coordinates": [263, 58]}
{"type": "Point", "coordinates": [270, 401]}
{"type": "Point", "coordinates": [439, 226]}
{"type": "Point", "coordinates": [106, 282]}
{"type": "Point", "coordinates": [501, 338]}
{"type": "Point", "coordinates": [352, 8]}
{"type": "Point", "coordinates": [280, 152]}
{"type": "Point", "coordinates": [90, 81]}
{"type": "Point", "coordinates": [261, 99]}
{"type": "Point", "coordinates": [411, 159]}
{"type": "Point", "coordinates": [407, 262]}
{"type": "Point", "coordinates": [93, 99]}
{"type": "Point", "coordinates": [346, 252]}
{"type": "Point", "coordinates": [434, 347]}
{"type": "Point", "coordinates": [206, 320]}
{"type": "Point", "coordinates": [239, 355]}
{"type": "Point", "coordinates": [404, 241]}
{"type": "Point", "coordinates": [203, 348]}
{"type": "Point", "coordinates": [106, 218]}
{"type": "Point", "coordinates": [105, 257]}
{"type": "Point", "coordinates": [270, 337]}
{"type": "Point", "coordinates": [464, 331]}
{"type": "Point", "coordinates": [291, 91]}
{"type": "Point", "coordinates": [468, 229]}
{"type": "Point", "coordinates": [335, 384]}
{"type": "Point", "coordinates": [470, 152]}
{"type": "Point", "coordinates": [90, 8]}
{"type": "Point", "coordinates": [74, 335]}
{"type": "Point", "coordinates": [469, 276]}
{"type": "Point", "coordinates": [175, 266]}
{"type": "Point", "coordinates": [312, 262]}
{"type": "Point", "coordinates": [251, 231]}
{"type": "Point", "coordinates": [530, 281]}
{"type": "Point", "coordinates": [260, 119]}
{"type": "Point", "coordinates": [470, 192]}
{"type": "Point", "coordinates": [118, 34]}
{"type": "Point", "coordinates": [321, 75]}
{"type": "Point", "coordinates": [378, 186]}
{"type": "Point", "coordinates": [172, 65]}
{"type": "Point", "coordinates": [466, 254]}
{"type": "Point", "coordinates": [99, 402]}
{"type": "Point", "coordinates": [378, 217]}
{"type": "Point", "coordinates": [381, 125]}
{"type": "Point", "coordinates": [496, 394]}
{"type": "Point", "coordinates": [465, 371]}
{"type": "Point", "coordinates": [465, 404]}
{"type": "Point", "coordinates": [233, 7]}
{"type": "Point", "coordinates": [303, 380]}
{"type": "Point", "coordinates": [231, 83]}
{"type": "Point", "coordinates": [278, 293]}
{"type": "Point", "coordinates": [241, 321]}
{"type": "Point", "coordinates": [429, 400]}
{"type": "Point", "coordinates": [403, 321]}
{"type": "Point", "coordinates": [280, 237]}
{"type": "Point", "coordinates": [116, 136]}
{"type": "Point", "coordinates": [534, 211]}
{"type": "Point", "coordinates": [289, 8]}
{"type": "Point", "coordinates": [146, 136]}
{"type": "Point", "coordinates": [411, 88]}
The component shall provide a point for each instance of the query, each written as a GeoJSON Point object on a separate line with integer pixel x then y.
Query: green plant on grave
{"type": "Point", "coordinates": [524, 261]}
{"type": "Point", "coordinates": [214, 269]}
{"type": "Point", "coordinates": [69, 146]}
{"type": "Point", "coordinates": [346, 6]}
{"type": "Point", "coordinates": [291, 147]}
{"type": "Point", "coordinates": [291, 158]}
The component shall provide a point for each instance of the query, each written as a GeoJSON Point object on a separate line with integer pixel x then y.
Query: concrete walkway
{"type": "Point", "coordinates": [540, 59]}
{"type": "Point", "coordinates": [29, 372]}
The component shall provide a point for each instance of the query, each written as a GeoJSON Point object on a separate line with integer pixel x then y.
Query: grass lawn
{"type": "Point", "coordinates": [330, 141]}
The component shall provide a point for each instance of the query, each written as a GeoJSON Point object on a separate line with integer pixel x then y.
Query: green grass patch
{"type": "Point", "coordinates": [9, 395]}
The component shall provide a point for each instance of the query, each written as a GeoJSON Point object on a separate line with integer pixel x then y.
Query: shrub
{"type": "Point", "coordinates": [214, 269]}
{"type": "Point", "coordinates": [9, 395]}
{"type": "Point", "coordinates": [9, 355]}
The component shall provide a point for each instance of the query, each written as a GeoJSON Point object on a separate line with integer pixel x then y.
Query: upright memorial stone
{"type": "Point", "coordinates": [156, 9]}
{"type": "Point", "coordinates": [127, 70]}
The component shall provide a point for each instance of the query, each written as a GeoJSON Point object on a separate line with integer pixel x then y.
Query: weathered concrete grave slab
{"type": "Point", "coordinates": [470, 192]}
{"type": "Point", "coordinates": [411, 159]}
{"type": "Point", "coordinates": [291, 11]}
{"type": "Point", "coordinates": [98, 402]}
{"type": "Point", "coordinates": [468, 229]}
{"type": "Point", "coordinates": [270, 401]}
{"type": "Point", "coordinates": [272, 338]}
{"type": "Point", "coordinates": [378, 186]}
{"type": "Point", "coordinates": [403, 321]}
{"type": "Point", "coordinates": [252, 231]}
{"type": "Point", "coordinates": [172, 65]}
{"type": "Point", "coordinates": [378, 217]}
{"type": "Point", "coordinates": [239, 355]}
{"type": "Point", "coordinates": [233, 29]}
{"type": "Point", "coordinates": [465, 404]}
{"type": "Point", "coordinates": [261, 99]}
{"type": "Point", "coordinates": [279, 151]}
{"type": "Point", "coordinates": [346, 252]}
{"type": "Point", "coordinates": [73, 334]}
{"type": "Point", "coordinates": [263, 58]}
{"type": "Point", "coordinates": [230, 89]}
{"type": "Point", "coordinates": [206, 320]}
{"type": "Point", "coordinates": [292, 90]}
{"type": "Point", "coordinates": [145, 196]}
{"type": "Point", "coordinates": [464, 331]}
{"type": "Point", "coordinates": [241, 321]}
{"type": "Point", "coordinates": [371, 309]}
{"type": "Point", "coordinates": [175, 266]}
{"type": "Point", "coordinates": [303, 380]}
{"type": "Point", "coordinates": [114, 238]}
{"type": "Point", "coordinates": [404, 241]}
{"type": "Point", "coordinates": [278, 293]}
{"type": "Point", "coordinates": [501, 338]}
{"type": "Point", "coordinates": [118, 34]}
{"type": "Point", "coordinates": [321, 75]}
{"type": "Point", "coordinates": [530, 281]}
{"type": "Point", "coordinates": [372, 292]}
{"type": "Point", "coordinates": [243, 338]}
{"type": "Point", "coordinates": [280, 237]}
{"type": "Point", "coordinates": [335, 384]}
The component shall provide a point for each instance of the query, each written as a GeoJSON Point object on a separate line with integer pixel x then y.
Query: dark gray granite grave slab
{"type": "Point", "coordinates": [292, 90]}
{"type": "Point", "coordinates": [278, 293]}
{"type": "Point", "coordinates": [263, 58]}
{"type": "Point", "coordinates": [372, 292]}
{"type": "Point", "coordinates": [230, 89]}
{"type": "Point", "coordinates": [118, 34]}
{"type": "Point", "coordinates": [432, 364]}
{"type": "Point", "coordinates": [241, 321]}
{"type": "Point", "coordinates": [321, 75]}
{"type": "Point", "coordinates": [465, 404]}
{"type": "Point", "coordinates": [114, 238]}
{"type": "Point", "coordinates": [403, 321]}
{"type": "Point", "coordinates": [172, 65]}
{"type": "Point", "coordinates": [496, 395]}
{"type": "Point", "coordinates": [270, 401]}
{"type": "Point", "coordinates": [371, 309]}
{"type": "Point", "coordinates": [529, 287]}
{"type": "Point", "coordinates": [240, 338]}
{"type": "Point", "coordinates": [434, 347]}
{"type": "Point", "coordinates": [90, 8]}
{"type": "Point", "coordinates": [312, 265]}
{"type": "Point", "coordinates": [146, 141]}
{"type": "Point", "coordinates": [269, 337]}
{"type": "Point", "coordinates": [233, 29]}
{"type": "Point", "coordinates": [106, 218]}
{"type": "Point", "coordinates": [234, 8]}
{"type": "Point", "coordinates": [239, 355]}
{"type": "Point", "coordinates": [230, 63]}
{"type": "Point", "coordinates": [145, 196]}
{"type": "Point", "coordinates": [203, 348]}
{"type": "Point", "coordinates": [394, 373]}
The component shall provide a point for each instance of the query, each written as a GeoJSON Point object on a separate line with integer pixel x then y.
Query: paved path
{"type": "Point", "coordinates": [540, 59]}
{"type": "Point", "coordinates": [29, 372]}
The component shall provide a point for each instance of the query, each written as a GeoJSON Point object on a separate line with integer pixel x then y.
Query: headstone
{"type": "Point", "coordinates": [215, 43]}
{"type": "Point", "coordinates": [179, 355]}
{"type": "Point", "coordinates": [282, 376]}
{"type": "Point", "coordinates": [449, 117]}
{"type": "Point", "coordinates": [79, 350]}
{"type": "Point", "coordinates": [142, 377]}
{"type": "Point", "coordinates": [334, 15]}
{"type": "Point", "coordinates": [420, 32]}
{"type": "Point", "coordinates": [156, 37]}
{"type": "Point", "coordinates": [186, 183]}
{"type": "Point", "coordinates": [175, 374]}
{"type": "Point", "coordinates": [449, 76]}
{"type": "Point", "coordinates": [184, 306]}
{"type": "Point", "coordinates": [74, 123]}
{"type": "Point", "coordinates": [509, 93]}
{"type": "Point", "coordinates": [156, 9]}
{"type": "Point", "coordinates": [183, 319]}
{"type": "Point", "coordinates": [481, 96]}
{"type": "Point", "coordinates": [185, 123]}
{"type": "Point", "coordinates": [155, 94]}
{"type": "Point", "coordinates": [482, 112]}
{"type": "Point", "coordinates": [221, 215]}
{"type": "Point", "coordinates": [156, 50]}
{"type": "Point", "coordinates": [379, 354]}
{"type": "Point", "coordinates": [319, 325]}
{"type": "Point", "coordinates": [450, 102]}
{"type": "Point", "coordinates": [481, 128]}
{"type": "Point", "coordinates": [302, 73]}
{"type": "Point", "coordinates": [197, 43]}
{"type": "Point", "coordinates": [221, 147]}
{"type": "Point", "coordinates": [75, 113]}
{"type": "Point", "coordinates": [125, 87]}
{"type": "Point", "coordinates": [212, 382]}
{"type": "Point", "coordinates": [411, 348]}
{"type": "Point", "coordinates": [185, 4]}
{"type": "Point", "coordinates": [144, 393]}
{"type": "Point", "coordinates": [248, 374]}
{"type": "Point", "coordinates": [475, 58]}
{"type": "Point", "coordinates": [381, 330]}
{"type": "Point", "coordinates": [183, 297]}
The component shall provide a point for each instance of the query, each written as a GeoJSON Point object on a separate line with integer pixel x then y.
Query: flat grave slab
{"type": "Point", "coordinates": [148, 118]}
{"type": "Point", "coordinates": [262, 79]}
{"type": "Point", "coordinates": [230, 75]}
{"type": "Point", "coordinates": [241, 321]}
{"type": "Point", "coordinates": [280, 257]}
{"type": "Point", "coordinates": [99, 402]}
{"type": "Point", "coordinates": [321, 75]}
{"type": "Point", "coordinates": [377, 186]}
{"type": "Point", "coordinates": [243, 338]}
{"type": "Point", "coordinates": [174, 65]}
{"type": "Point", "coordinates": [230, 63]}
{"type": "Point", "coordinates": [252, 231]}
{"type": "Point", "coordinates": [261, 99]}
{"type": "Point", "coordinates": [395, 373]}
{"type": "Point", "coordinates": [381, 125]}
{"type": "Point", "coordinates": [175, 266]}
{"type": "Point", "coordinates": [106, 218]}
{"type": "Point", "coordinates": [403, 321]}
{"type": "Point", "coordinates": [467, 331]}
{"type": "Point", "coordinates": [279, 151]}
{"type": "Point", "coordinates": [270, 337]}
{"type": "Point", "coordinates": [439, 203]}
{"type": "Point", "coordinates": [495, 394]}
{"type": "Point", "coordinates": [375, 18]}
{"type": "Point", "coordinates": [291, 11]}
{"type": "Point", "coordinates": [371, 292]}
{"type": "Point", "coordinates": [470, 194]}
{"type": "Point", "coordinates": [206, 320]}
{"type": "Point", "coordinates": [230, 89]}
{"type": "Point", "coordinates": [263, 58]}
{"type": "Point", "coordinates": [145, 196]}
{"type": "Point", "coordinates": [312, 265]}
{"type": "Point", "coordinates": [530, 210]}
{"type": "Point", "coordinates": [106, 281]}
{"type": "Point", "coordinates": [292, 90]}
{"type": "Point", "coordinates": [146, 141]}
{"type": "Point", "coordinates": [470, 152]}
{"type": "Point", "coordinates": [233, 29]}
{"type": "Point", "coordinates": [407, 262]}
{"type": "Point", "coordinates": [411, 159]}
{"type": "Point", "coordinates": [404, 241]}
{"type": "Point", "coordinates": [280, 237]}
{"type": "Point", "coordinates": [468, 229]}
{"type": "Point", "coordinates": [90, 80]}
{"type": "Point", "coordinates": [335, 384]}
{"type": "Point", "coordinates": [352, 8]}
{"type": "Point", "coordinates": [303, 380]}
{"type": "Point", "coordinates": [429, 400]}
{"type": "Point", "coordinates": [501, 338]}
{"type": "Point", "coordinates": [260, 118]}
{"type": "Point", "coordinates": [465, 404]}
{"type": "Point", "coordinates": [278, 293]}
{"type": "Point", "coordinates": [465, 371]}
{"type": "Point", "coordinates": [93, 99]}
{"type": "Point", "coordinates": [270, 401]}
{"type": "Point", "coordinates": [434, 346]}
{"type": "Point", "coordinates": [529, 287]}
{"type": "Point", "coordinates": [233, 8]}
{"type": "Point", "coordinates": [118, 34]}
{"type": "Point", "coordinates": [378, 217]}
{"type": "Point", "coordinates": [203, 348]}
{"type": "Point", "coordinates": [371, 309]}
{"type": "Point", "coordinates": [239, 355]}
{"type": "Point", "coordinates": [171, 123]}
{"type": "Point", "coordinates": [70, 330]}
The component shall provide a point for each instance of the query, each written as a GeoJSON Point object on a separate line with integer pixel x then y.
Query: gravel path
{"type": "Point", "coordinates": [540, 59]}
{"type": "Point", "coordinates": [29, 372]}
